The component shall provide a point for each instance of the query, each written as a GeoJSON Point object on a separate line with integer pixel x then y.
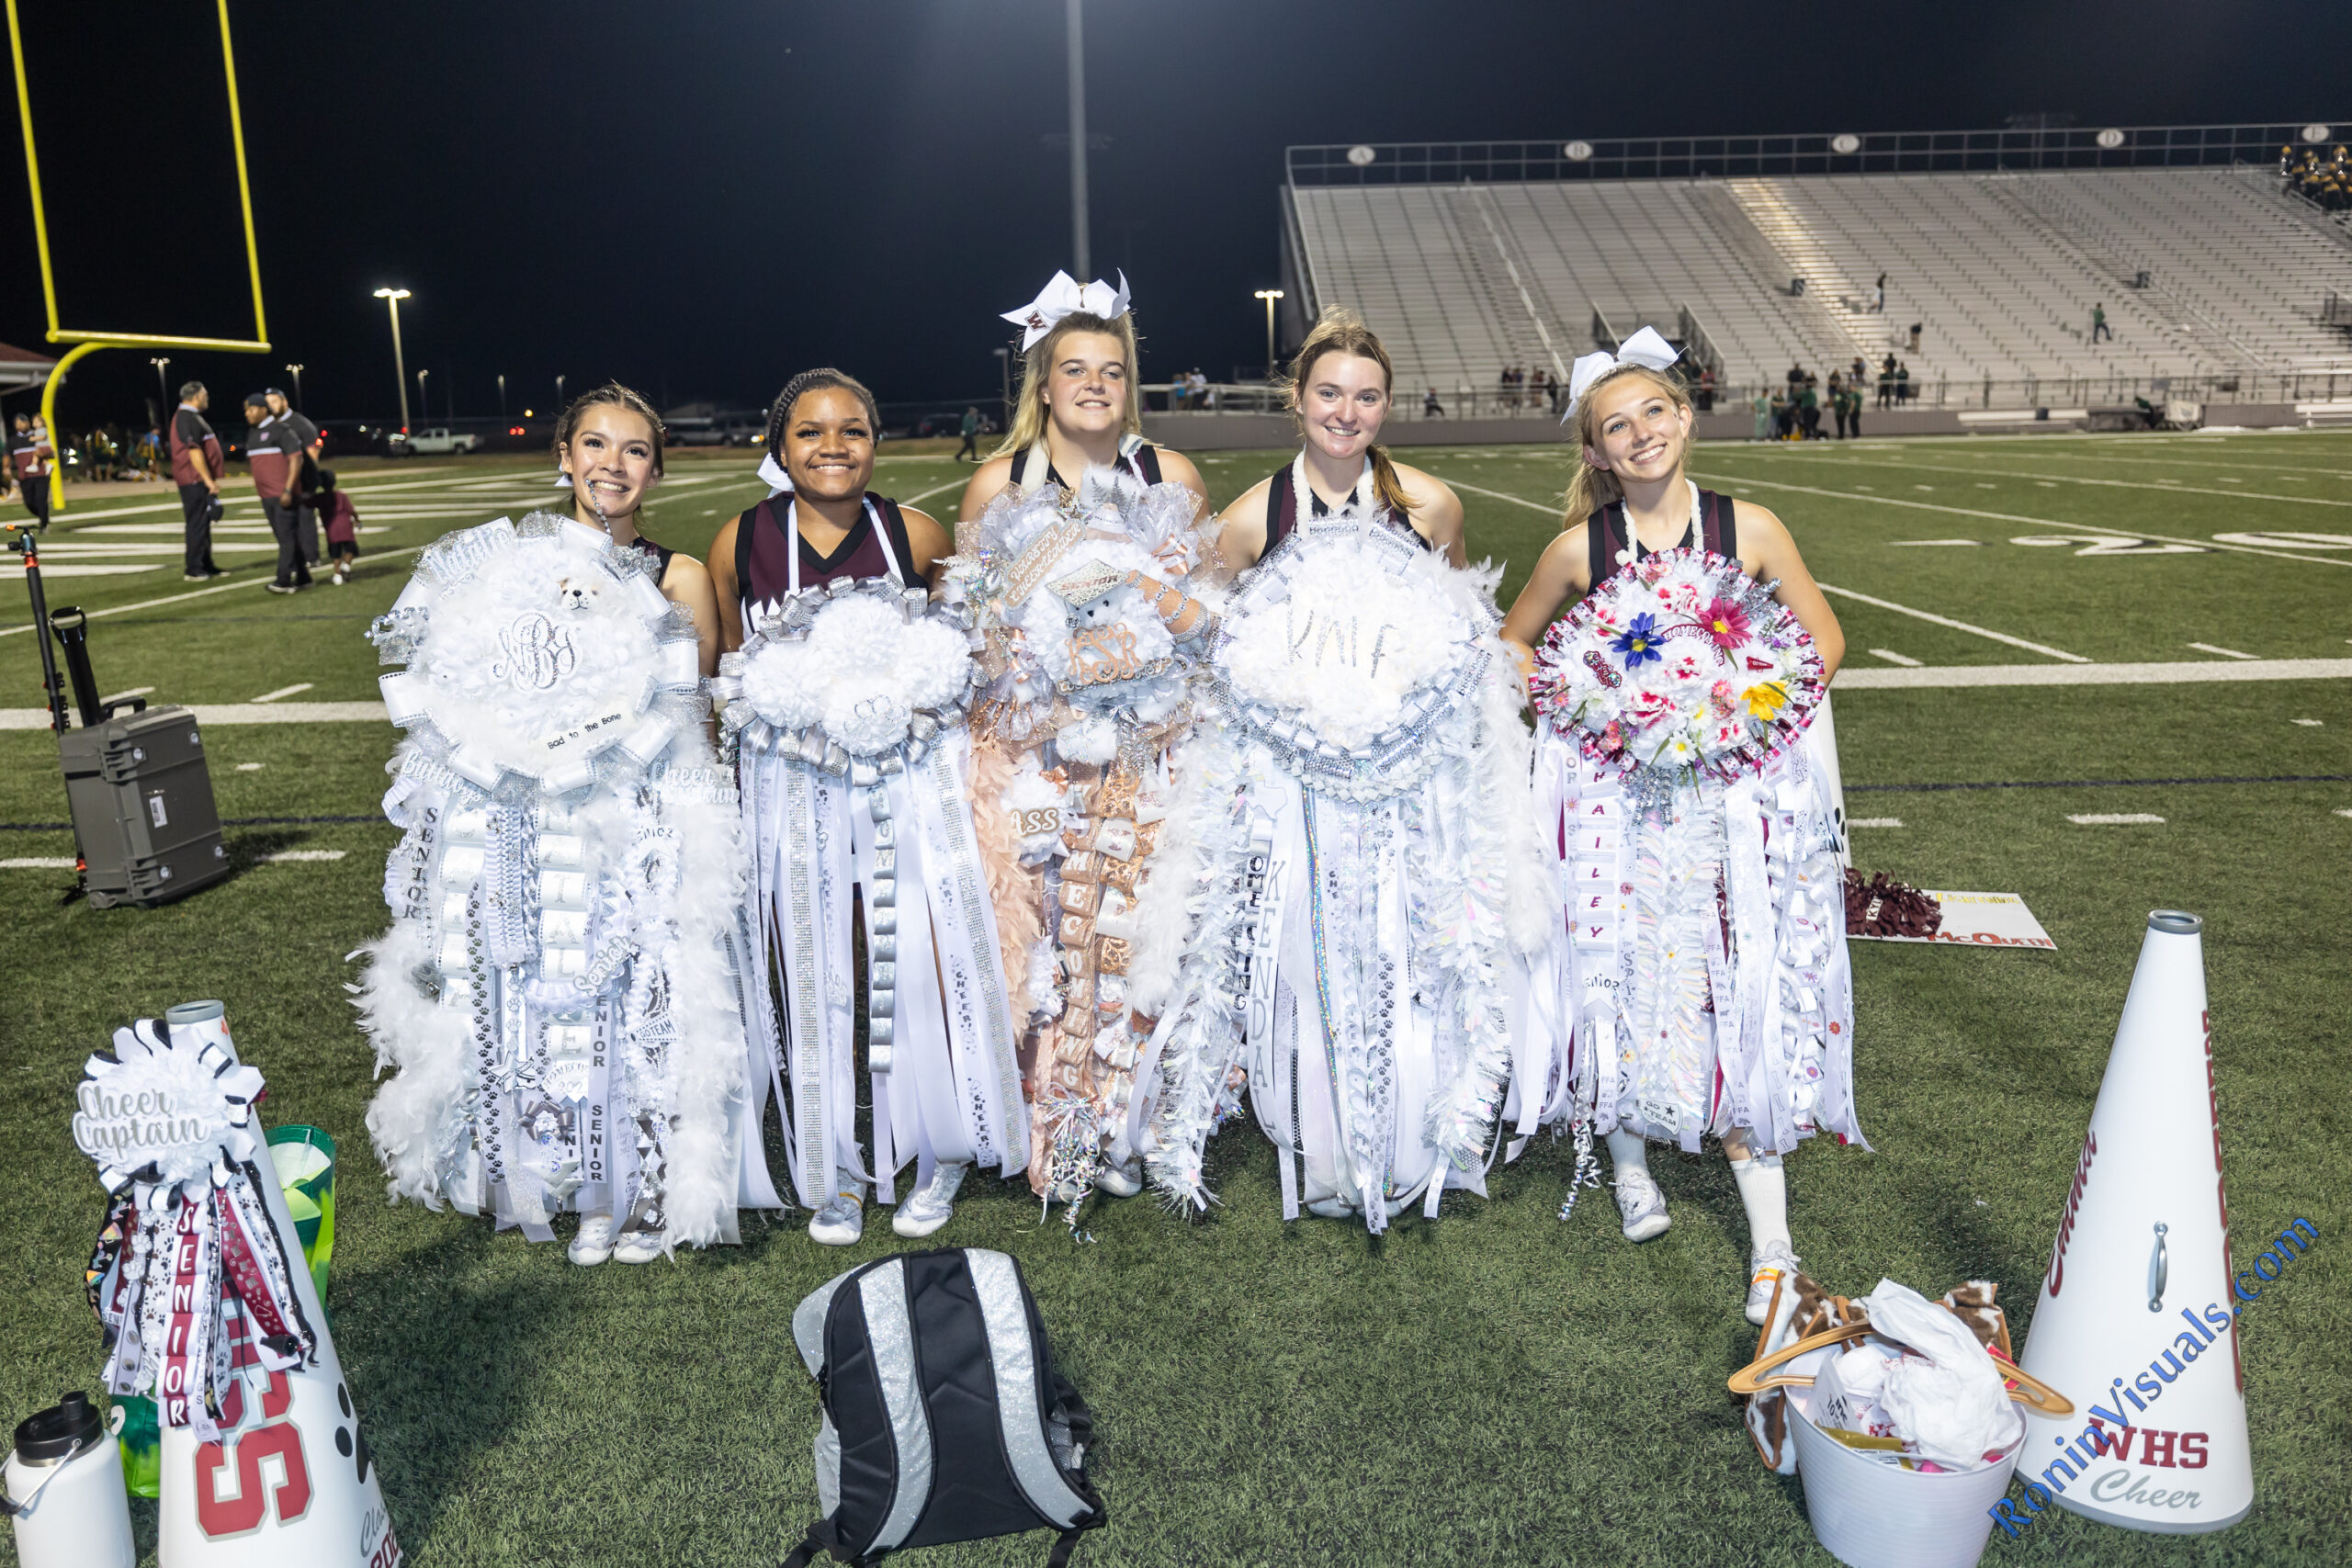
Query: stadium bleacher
{"type": "Point", "coordinates": [2211, 275]}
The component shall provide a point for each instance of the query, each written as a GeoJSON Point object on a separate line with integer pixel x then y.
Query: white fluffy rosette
{"type": "Point", "coordinates": [557, 993]}
{"type": "Point", "coordinates": [1366, 891]}
{"type": "Point", "coordinates": [854, 668]}
{"type": "Point", "coordinates": [1701, 954]}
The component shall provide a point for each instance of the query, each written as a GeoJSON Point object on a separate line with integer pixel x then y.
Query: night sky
{"type": "Point", "coordinates": [702, 197]}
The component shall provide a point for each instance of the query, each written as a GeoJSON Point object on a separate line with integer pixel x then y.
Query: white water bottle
{"type": "Point", "coordinates": [64, 1491]}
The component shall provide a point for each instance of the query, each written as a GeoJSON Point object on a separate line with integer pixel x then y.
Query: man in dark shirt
{"type": "Point", "coordinates": [196, 468]}
{"type": "Point", "coordinates": [30, 454]}
{"type": "Point", "coordinates": [971, 436]}
{"type": "Point", "coordinates": [275, 471]}
{"type": "Point", "coordinates": [300, 439]}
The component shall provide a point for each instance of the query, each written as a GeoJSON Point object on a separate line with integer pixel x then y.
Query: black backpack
{"type": "Point", "coordinates": [945, 1418]}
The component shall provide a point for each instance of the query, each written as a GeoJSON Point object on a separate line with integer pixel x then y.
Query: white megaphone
{"type": "Point", "coordinates": [291, 1483]}
{"type": "Point", "coordinates": [2136, 1322]}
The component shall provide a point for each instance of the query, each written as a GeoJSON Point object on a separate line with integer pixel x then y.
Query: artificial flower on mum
{"type": "Point", "coordinates": [1764, 699]}
{"type": "Point", "coordinates": [1650, 707]}
{"type": "Point", "coordinates": [1725, 623]}
{"type": "Point", "coordinates": [1639, 642]}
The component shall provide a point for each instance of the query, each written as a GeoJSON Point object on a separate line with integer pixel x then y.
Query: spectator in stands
{"type": "Point", "coordinates": [1886, 382]}
{"type": "Point", "coordinates": [1881, 305]}
{"type": "Point", "coordinates": [1510, 393]}
{"type": "Point", "coordinates": [1917, 327]}
{"type": "Point", "coordinates": [197, 468]}
{"type": "Point", "coordinates": [2098, 323]}
{"type": "Point", "coordinates": [1796, 378]}
{"type": "Point", "coordinates": [1857, 374]}
{"type": "Point", "coordinates": [1903, 389]}
{"type": "Point", "coordinates": [1431, 407]}
{"type": "Point", "coordinates": [1762, 406]}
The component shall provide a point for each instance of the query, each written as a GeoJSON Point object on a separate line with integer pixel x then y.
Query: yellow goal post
{"type": "Point", "coordinates": [86, 343]}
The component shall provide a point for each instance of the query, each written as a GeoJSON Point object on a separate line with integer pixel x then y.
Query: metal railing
{"type": "Point", "coordinates": [1822, 153]}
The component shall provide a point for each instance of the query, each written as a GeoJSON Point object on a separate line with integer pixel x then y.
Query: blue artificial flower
{"type": "Point", "coordinates": [1638, 641]}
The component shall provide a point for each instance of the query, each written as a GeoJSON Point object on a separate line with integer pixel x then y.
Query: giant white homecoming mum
{"type": "Point", "coordinates": [848, 705]}
{"type": "Point", "coordinates": [1365, 890]}
{"type": "Point", "coordinates": [558, 995]}
{"type": "Point", "coordinates": [1703, 955]}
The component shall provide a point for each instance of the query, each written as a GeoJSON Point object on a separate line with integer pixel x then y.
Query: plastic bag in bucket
{"type": "Point", "coordinates": [305, 1160]}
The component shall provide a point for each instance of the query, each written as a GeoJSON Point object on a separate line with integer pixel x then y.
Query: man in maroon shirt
{"type": "Point", "coordinates": [196, 468]}
{"type": "Point", "coordinates": [275, 470]}
{"type": "Point", "coordinates": [29, 454]}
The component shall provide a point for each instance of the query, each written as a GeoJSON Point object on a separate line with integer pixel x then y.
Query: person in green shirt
{"type": "Point", "coordinates": [1762, 407]}
{"type": "Point", "coordinates": [971, 436]}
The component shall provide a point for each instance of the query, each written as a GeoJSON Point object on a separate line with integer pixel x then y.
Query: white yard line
{"type": "Point", "coordinates": [126, 696]}
{"type": "Point", "coordinates": [293, 691]}
{"type": "Point", "coordinates": [1923, 543]}
{"type": "Point", "coordinates": [1956, 626]}
{"type": "Point", "coordinates": [2170, 486]}
{"type": "Point", "coordinates": [212, 714]}
{"type": "Point", "coordinates": [254, 581]}
{"type": "Point", "coordinates": [2224, 652]}
{"type": "Point", "coordinates": [1854, 679]}
{"type": "Point", "coordinates": [36, 862]}
{"type": "Point", "coordinates": [2013, 517]}
{"type": "Point", "coordinates": [1893, 657]}
{"type": "Point", "coordinates": [2114, 819]}
{"type": "Point", "coordinates": [283, 856]}
{"type": "Point", "coordinates": [1874, 822]}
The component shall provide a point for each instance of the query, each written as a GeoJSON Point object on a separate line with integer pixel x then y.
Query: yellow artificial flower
{"type": "Point", "coordinates": [1765, 699]}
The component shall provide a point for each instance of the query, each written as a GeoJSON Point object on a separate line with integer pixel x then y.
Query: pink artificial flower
{"type": "Point", "coordinates": [1725, 623]}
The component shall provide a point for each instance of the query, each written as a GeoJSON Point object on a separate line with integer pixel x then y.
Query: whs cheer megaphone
{"type": "Point", "coordinates": [2135, 1323]}
{"type": "Point", "coordinates": [201, 1287]}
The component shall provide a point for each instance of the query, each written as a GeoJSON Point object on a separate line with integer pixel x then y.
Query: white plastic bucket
{"type": "Point", "coordinates": [1869, 1514]}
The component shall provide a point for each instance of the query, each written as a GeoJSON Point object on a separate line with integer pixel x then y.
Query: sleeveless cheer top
{"type": "Point", "coordinates": [1137, 455]}
{"type": "Point", "coordinates": [1607, 535]}
{"type": "Point", "coordinates": [1282, 513]}
{"type": "Point", "coordinates": [764, 541]}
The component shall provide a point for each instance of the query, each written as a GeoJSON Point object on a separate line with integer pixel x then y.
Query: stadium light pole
{"type": "Point", "coordinates": [1077, 221]}
{"type": "Point", "coordinates": [502, 396]}
{"type": "Point", "coordinates": [296, 371]}
{"type": "Point", "coordinates": [393, 297]}
{"type": "Point", "coordinates": [424, 403]}
{"type": "Point", "coordinates": [559, 397]}
{"type": "Point", "coordinates": [1270, 295]}
{"type": "Point", "coordinates": [162, 387]}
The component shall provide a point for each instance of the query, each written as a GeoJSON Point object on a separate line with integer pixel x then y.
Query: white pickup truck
{"type": "Point", "coordinates": [437, 442]}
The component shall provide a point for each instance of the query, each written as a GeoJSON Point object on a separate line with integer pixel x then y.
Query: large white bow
{"type": "Point", "coordinates": [778, 482]}
{"type": "Point", "coordinates": [1646, 347]}
{"type": "Point", "coordinates": [1064, 296]}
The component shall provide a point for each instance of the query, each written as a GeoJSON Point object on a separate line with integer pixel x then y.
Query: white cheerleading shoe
{"type": "Point", "coordinates": [639, 1247]}
{"type": "Point", "coordinates": [1121, 1180]}
{"type": "Point", "coordinates": [594, 1244]}
{"type": "Point", "coordinates": [1766, 1273]}
{"type": "Point", "coordinates": [934, 1205]}
{"type": "Point", "coordinates": [1642, 1205]}
{"type": "Point", "coordinates": [843, 1219]}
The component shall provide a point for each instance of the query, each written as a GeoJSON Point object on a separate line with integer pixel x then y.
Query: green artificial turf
{"type": "Point", "coordinates": [1491, 1387]}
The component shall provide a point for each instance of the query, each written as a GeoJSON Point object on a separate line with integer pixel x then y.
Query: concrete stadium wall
{"type": "Point", "coordinates": [1255, 432]}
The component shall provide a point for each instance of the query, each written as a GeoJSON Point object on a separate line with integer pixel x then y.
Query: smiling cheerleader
{"type": "Point", "coordinates": [1704, 941]}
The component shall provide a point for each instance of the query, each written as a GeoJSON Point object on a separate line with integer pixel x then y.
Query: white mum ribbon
{"type": "Point", "coordinates": [1646, 347]}
{"type": "Point", "coordinates": [1065, 295]}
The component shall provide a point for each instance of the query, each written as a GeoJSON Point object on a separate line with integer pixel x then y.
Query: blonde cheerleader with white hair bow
{"type": "Point", "coordinates": [1702, 930]}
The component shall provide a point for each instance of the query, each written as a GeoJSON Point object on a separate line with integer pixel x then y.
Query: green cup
{"type": "Point", "coordinates": [305, 1160]}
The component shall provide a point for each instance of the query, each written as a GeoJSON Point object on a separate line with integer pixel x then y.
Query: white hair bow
{"type": "Point", "coordinates": [771, 473]}
{"type": "Point", "coordinates": [1064, 296]}
{"type": "Point", "coordinates": [1644, 348]}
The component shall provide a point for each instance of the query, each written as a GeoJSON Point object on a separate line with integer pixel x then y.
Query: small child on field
{"type": "Point", "coordinates": [340, 519]}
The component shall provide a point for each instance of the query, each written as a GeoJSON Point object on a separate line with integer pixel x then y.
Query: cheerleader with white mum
{"type": "Point", "coordinates": [559, 993]}
{"type": "Point", "coordinates": [1701, 928]}
{"type": "Point", "coordinates": [848, 689]}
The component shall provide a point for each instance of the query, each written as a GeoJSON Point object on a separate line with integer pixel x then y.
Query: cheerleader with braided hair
{"type": "Point", "coordinates": [847, 691]}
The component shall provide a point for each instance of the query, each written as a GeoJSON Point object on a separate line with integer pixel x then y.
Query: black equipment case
{"type": "Point", "coordinates": [144, 815]}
